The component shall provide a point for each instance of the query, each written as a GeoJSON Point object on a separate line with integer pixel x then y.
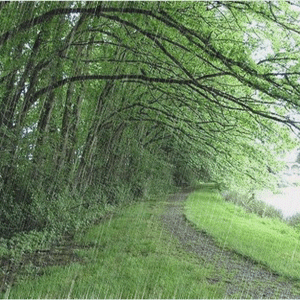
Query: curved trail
{"type": "Point", "coordinates": [243, 277]}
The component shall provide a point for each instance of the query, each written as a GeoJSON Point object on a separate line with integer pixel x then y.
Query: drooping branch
{"type": "Point", "coordinates": [123, 77]}
{"type": "Point", "coordinates": [46, 17]}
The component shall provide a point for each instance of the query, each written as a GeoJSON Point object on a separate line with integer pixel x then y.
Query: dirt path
{"type": "Point", "coordinates": [243, 277]}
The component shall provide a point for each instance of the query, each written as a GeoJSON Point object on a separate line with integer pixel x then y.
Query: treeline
{"type": "Point", "coordinates": [104, 102]}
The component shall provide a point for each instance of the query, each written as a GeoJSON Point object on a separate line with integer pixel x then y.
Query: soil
{"type": "Point", "coordinates": [242, 277]}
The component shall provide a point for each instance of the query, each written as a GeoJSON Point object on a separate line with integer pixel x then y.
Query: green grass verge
{"type": "Point", "coordinates": [129, 256]}
{"type": "Point", "coordinates": [266, 240]}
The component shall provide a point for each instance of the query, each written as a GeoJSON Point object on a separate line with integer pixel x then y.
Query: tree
{"type": "Point", "coordinates": [122, 95]}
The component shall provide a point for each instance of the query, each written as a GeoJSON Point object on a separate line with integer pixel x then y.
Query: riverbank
{"type": "Point", "coordinates": [148, 250]}
{"type": "Point", "coordinates": [241, 276]}
{"type": "Point", "coordinates": [286, 199]}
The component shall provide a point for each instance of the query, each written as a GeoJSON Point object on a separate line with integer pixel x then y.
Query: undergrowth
{"type": "Point", "coordinates": [252, 205]}
{"type": "Point", "coordinates": [65, 213]}
{"type": "Point", "coordinates": [262, 209]}
{"type": "Point", "coordinates": [128, 256]}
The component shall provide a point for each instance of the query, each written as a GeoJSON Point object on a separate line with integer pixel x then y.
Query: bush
{"type": "Point", "coordinates": [67, 212]}
{"type": "Point", "coordinates": [294, 220]}
{"type": "Point", "coordinates": [3, 247]}
{"type": "Point", "coordinates": [252, 205]}
{"type": "Point", "coordinates": [58, 216]}
{"type": "Point", "coordinates": [15, 215]}
{"type": "Point", "coordinates": [27, 242]}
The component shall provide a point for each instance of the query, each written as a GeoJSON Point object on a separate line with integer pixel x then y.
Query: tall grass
{"type": "Point", "coordinates": [267, 240]}
{"type": "Point", "coordinates": [128, 256]}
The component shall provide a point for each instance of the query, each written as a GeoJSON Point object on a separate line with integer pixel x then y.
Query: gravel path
{"type": "Point", "coordinates": [243, 277]}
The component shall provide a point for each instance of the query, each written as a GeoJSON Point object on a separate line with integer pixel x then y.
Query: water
{"type": "Point", "coordinates": [287, 200]}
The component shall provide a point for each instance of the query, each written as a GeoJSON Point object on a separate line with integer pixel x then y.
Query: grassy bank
{"type": "Point", "coordinates": [266, 240]}
{"type": "Point", "coordinates": [127, 256]}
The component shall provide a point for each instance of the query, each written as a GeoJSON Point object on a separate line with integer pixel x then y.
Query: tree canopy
{"type": "Point", "coordinates": [131, 97]}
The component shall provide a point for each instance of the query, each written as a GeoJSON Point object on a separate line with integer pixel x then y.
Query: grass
{"type": "Point", "coordinates": [267, 240]}
{"type": "Point", "coordinates": [128, 256]}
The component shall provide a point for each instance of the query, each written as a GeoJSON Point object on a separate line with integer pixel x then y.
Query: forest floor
{"type": "Point", "coordinates": [249, 279]}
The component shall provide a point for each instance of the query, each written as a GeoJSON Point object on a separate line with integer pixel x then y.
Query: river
{"type": "Point", "coordinates": [287, 200]}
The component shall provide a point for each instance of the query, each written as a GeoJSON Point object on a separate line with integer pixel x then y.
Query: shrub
{"type": "Point", "coordinates": [294, 220]}
{"type": "Point", "coordinates": [15, 215]}
{"type": "Point", "coordinates": [58, 216]}
{"type": "Point", "coordinates": [252, 205]}
{"type": "Point", "coordinates": [3, 247]}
